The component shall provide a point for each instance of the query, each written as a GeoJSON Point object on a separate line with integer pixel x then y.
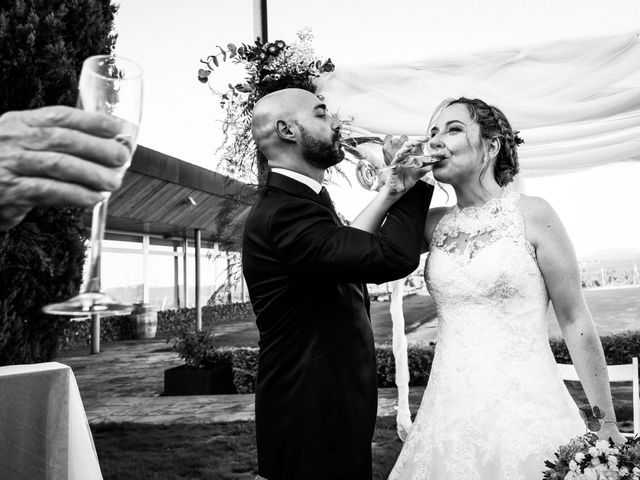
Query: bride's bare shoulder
{"type": "Point", "coordinates": [540, 219]}
{"type": "Point", "coordinates": [535, 209]}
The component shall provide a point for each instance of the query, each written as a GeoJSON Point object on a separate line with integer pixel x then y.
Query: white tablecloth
{"type": "Point", "coordinates": [44, 433]}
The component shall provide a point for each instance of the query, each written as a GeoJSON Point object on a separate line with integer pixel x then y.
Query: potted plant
{"type": "Point", "coordinates": [207, 369]}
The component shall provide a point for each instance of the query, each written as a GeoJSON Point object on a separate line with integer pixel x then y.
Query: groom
{"type": "Point", "coordinates": [316, 387]}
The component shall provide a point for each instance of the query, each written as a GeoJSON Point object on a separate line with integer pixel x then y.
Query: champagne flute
{"type": "Point", "coordinates": [368, 174]}
{"type": "Point", "coordinates": [112, 85]}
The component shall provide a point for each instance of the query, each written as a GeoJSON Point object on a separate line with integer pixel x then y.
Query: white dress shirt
{"type": "Point", "coordinates": [309, 182]}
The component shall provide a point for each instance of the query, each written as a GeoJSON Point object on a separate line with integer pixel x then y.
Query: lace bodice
{"type": "Point", "coordinates": [482, 272]}
{"type": "Point", "coordinates": [494, 395]}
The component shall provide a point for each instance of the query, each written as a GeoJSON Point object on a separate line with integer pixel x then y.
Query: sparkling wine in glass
{"type": "Point", "coordinates": [368, 174]}
{"type": "Point", "coordinates": [112, 85]}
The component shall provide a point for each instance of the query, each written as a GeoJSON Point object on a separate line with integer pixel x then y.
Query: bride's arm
{"type": "Point", "coordinates": [559, 267]}
{"type": "Point", "coordinates": [370, 219]}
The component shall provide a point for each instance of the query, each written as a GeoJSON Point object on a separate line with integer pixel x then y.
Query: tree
{"type": "Point", "coordinates": [42, 46]}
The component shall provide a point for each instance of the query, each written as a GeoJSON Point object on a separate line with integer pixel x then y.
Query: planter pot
{"type": "Point", "coordinates": [185, 380]}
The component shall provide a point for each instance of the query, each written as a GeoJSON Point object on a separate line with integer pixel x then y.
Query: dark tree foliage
{"type": "Point", "coordinates": [42, 46]}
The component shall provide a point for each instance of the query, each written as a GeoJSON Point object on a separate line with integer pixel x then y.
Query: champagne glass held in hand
{"type": "Point", "coordinates": [412, 155]}
{"type": "Point", "coordinates": [112, 85]}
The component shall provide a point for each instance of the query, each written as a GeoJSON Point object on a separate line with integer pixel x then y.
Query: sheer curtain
{"type": "Point", "coordinates": [576, 103]}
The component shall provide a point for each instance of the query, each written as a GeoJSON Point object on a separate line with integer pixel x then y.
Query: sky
{"type": "Point", "coordinates": [182, 117]}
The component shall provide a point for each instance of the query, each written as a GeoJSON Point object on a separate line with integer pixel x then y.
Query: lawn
{"type": "Point", "coordinates": [613, 310]}
{"type": "Point", "coordinates": [418, 310]}
{"type": "Point", "coordinates": [217, 451]}
{"type": "Point", "coordinates": [226, 451]}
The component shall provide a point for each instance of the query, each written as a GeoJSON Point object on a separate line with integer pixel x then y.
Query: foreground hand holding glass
{"type": "Point", "coordinates": [112, 85]}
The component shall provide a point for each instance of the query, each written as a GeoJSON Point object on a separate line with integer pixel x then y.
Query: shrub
{"type": "Point", "coordinates": [419, 359]}
{"type": "Point", "coordinates": [173, 322]}
{"type": "Point", "coordinates": [43, 44]}
{"type": "Point", "coordinates": [40, 263]}
{"type": "Point", "coordinates": [618, 348]}
{"type": "Point", "coordinates": [78, 334]}
{"type": "Point", "coordinates": [198, 350]}
{"type": "Point", "coordinates": [244, 362]}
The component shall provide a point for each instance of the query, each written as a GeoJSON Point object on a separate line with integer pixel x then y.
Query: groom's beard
{"type": "Point", "coordinates": [320, 154]}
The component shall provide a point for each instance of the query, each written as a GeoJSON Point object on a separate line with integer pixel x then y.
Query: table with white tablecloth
{"type": "Point", "coordinates": [44, 433]}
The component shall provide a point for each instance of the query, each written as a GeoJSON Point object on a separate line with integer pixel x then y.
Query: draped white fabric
{"type": "Point", "coordinates": [403, 415]}
{"type": "Point", "coordinates": [576, 102]}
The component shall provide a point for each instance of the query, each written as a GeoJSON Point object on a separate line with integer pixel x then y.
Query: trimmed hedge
{"type": "Point", "coordinates": [618, 348]}
{"type": "Point", "coordinates": [78, 334]}
{"type": "Point", "coordinates": [172, 322]}
{"type": "Point", "coordinates": [42, 45]}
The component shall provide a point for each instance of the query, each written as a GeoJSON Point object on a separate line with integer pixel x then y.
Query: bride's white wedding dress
{"type": "Point", "coordinates": [495, 406]}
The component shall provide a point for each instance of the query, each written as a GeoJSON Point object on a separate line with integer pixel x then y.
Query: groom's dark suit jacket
{"type": "Point", "coordinates": [316, 389]}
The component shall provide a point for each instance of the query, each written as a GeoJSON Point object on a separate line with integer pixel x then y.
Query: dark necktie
{"type": "Point", "coordinates": [326, 200]}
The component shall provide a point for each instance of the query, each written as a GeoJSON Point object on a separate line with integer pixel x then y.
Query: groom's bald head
{"type": "Point", "coordinates": [274, 112]}
{"type": "Point", "coordinates": [292, 128]}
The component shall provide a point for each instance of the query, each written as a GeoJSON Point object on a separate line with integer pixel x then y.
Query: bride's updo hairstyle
{"type": "Point", "coordinates": [493, 124]}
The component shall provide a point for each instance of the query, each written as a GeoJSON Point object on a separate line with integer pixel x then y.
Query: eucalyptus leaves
{"type": "Point", "coordinates": [269, 66]}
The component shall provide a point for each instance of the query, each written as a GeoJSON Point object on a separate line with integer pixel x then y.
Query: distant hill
{"type": "Point", "coordinates": [159, 296]}
{"type": "Point", "coordinates": [612, 256]}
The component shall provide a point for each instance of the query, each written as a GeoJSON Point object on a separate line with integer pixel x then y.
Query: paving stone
{"type": "Point", "coordinates": [125, 382]}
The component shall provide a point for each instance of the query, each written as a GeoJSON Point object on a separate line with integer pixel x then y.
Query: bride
{"type": "Point", "coordinates": [495, 407]}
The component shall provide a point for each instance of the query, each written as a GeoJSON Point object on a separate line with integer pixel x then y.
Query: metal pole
{"type": "Point", "coordinates": [260, 20]}
{"type": "Point", "coordinates": [243, 289]}
{"type": "Point", "coordinates": [145, 269]}
{"type": "Point", "coordinates": [185, 248]}
{"type": "Point", "coordinates": [95, 333]}
{"type": "Point", "coordinates": [198, 307]}
{"type": "Point", "coordinates": [229, 298]}
{"type": "Point", "coordinates": [176, 277]}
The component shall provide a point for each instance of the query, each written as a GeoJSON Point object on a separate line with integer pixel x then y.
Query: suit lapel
{"type": "Point", "coordinates": [293, 187]}
{"type": "Point", "coordinates": [289, 185]}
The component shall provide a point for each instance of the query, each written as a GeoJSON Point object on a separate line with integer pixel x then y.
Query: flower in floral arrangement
{"type": "Point", "coordinates": [328, 66]}
{"type": "Point", "coordinates": [588, 458]}
{"type": "Point", "coordinates": [590, 474]}
{"type": "Point", "coordinates": [275, 48]}
{"type": "Point", "coordinates": [269, 66]}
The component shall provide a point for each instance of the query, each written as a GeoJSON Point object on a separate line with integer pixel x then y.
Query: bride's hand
{"type": "Point", "coordinates": [610, 431]}
{"type": "Point", "coordinates": [401, 177]}
{"type": "Point", "coordinates": [391, 146]}
{"type": "Point", "coordinates": [411, 147]}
